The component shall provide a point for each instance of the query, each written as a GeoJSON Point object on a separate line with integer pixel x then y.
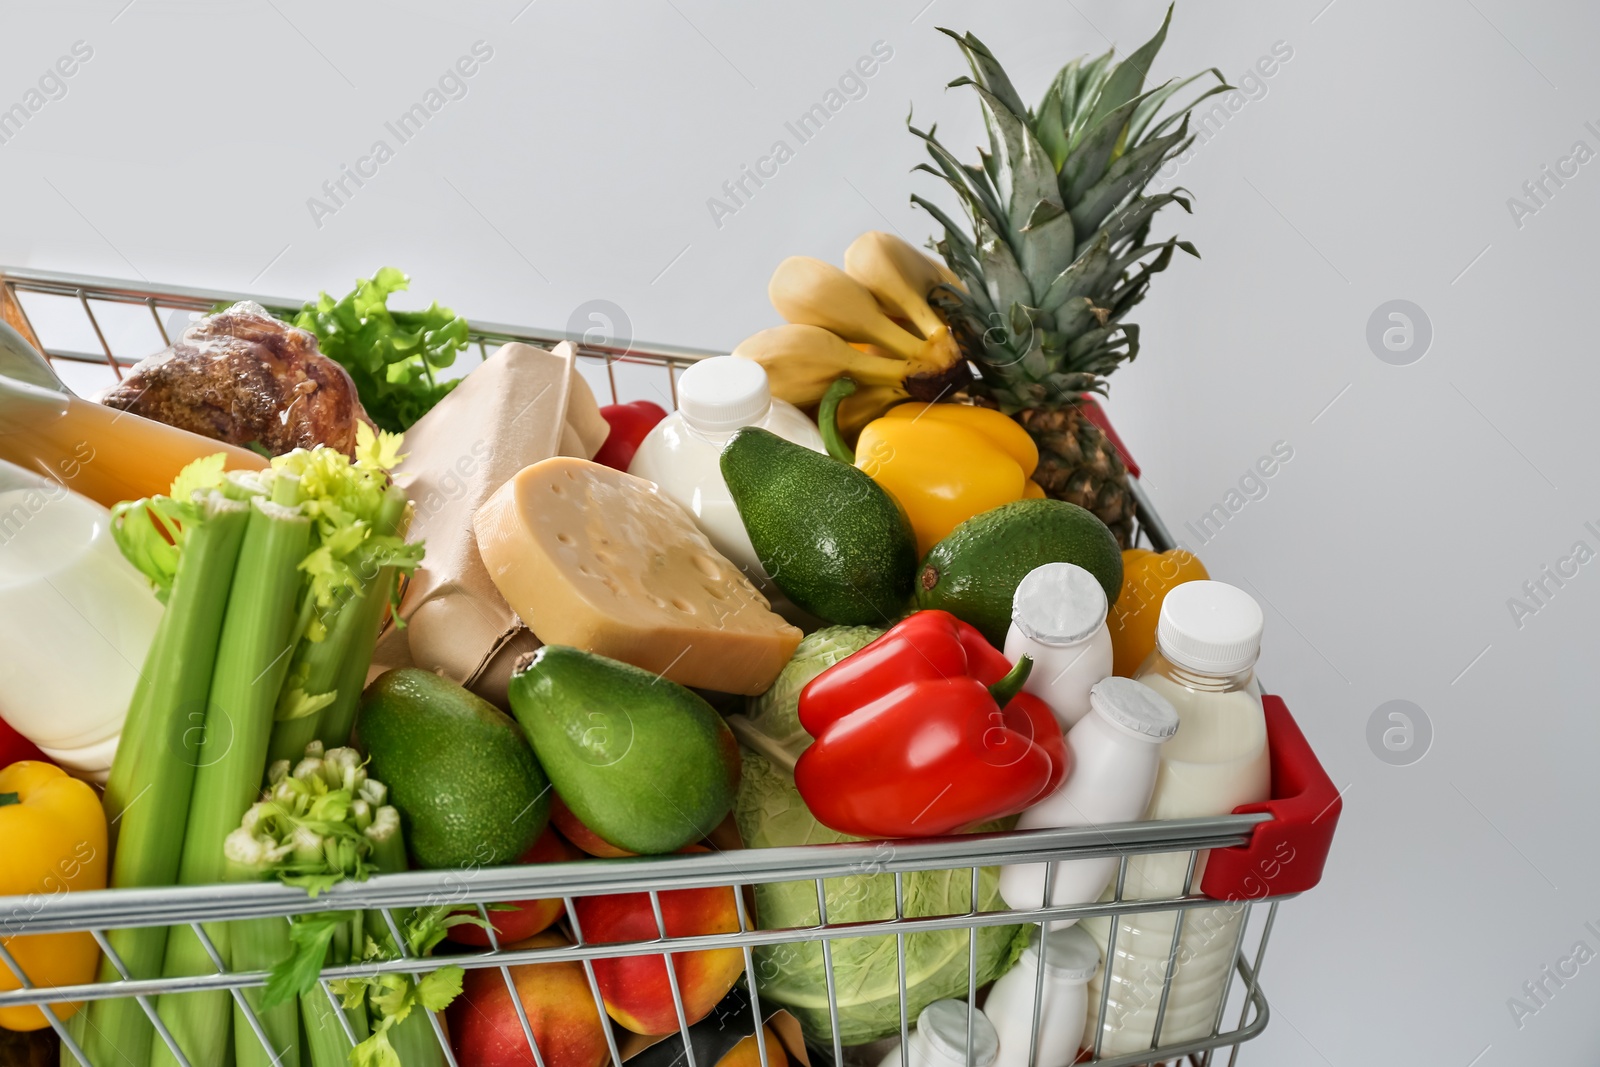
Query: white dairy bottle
{"type": "Point", "coordinates": [1070, 960]}
{"type": "Point", "coordinates": [1116, 754]}
{"type": "Point", "coordinates": [682, 453]}
{"type": "Point", "coordinates": [940, 1039]}
{"type": "Point", "coordinates": [76, 620]}
{"type": "Point", "coordinates": [1207, 640]}
{"type": "Point", "coordinates": [1058, 617]}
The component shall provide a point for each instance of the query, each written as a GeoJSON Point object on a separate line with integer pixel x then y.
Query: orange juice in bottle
{"type": "Point", "coordinates": [104, 454]}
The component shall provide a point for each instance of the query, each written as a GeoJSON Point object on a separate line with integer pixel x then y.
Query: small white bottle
{"type": "Point", "coordinates": [682, 453]}
{"type": "Point", "coordinates": [940, 1039]}
{"type": "Point", "coordinates": [1116, 754]}
{"type": "Point", "coordinates": [1207, 640]}
{"type": "Point", "coordinates": [1058, 617]}
{"type": "Point", "coordinates": [76, 620]}
{"type": "Point", "coordinates": [1070, 960]}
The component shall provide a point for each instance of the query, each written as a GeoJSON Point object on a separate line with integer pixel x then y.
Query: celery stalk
{"type": "Point", "coordinates": [326, 1044]}
{"type": "Point", "coordinates": [252, 656]}
{"type": "Point", "coordinates": [414, 1042]}
{"type": "Point", "coordinates": [325, 1041]}
{"type": "Point", "coordinates": [388, 848]}
{"type": "Point", "coordinates": [318, 669]}
{"type": "Point", "coordinates": [257, 945]}
{"type": "Point", "coordinates": [412, 1038]}
{"type": "Point", "coordinates": [314, 827]}
{"type": "Point", "coordinates": [338, 719]}
{"type": "Point", "coordinates": [332, 672]}
{"type": "Point", "coordinates": [148, 792]}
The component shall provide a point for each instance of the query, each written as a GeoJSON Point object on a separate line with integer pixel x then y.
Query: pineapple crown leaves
{"type": "Point", "coordinates": [1057, 250]}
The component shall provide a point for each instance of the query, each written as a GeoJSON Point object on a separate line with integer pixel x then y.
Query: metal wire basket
{"type": "Point", "coordinates": [1261, 856]}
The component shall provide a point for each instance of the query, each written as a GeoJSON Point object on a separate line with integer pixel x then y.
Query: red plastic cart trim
{"type": "Point", "coordinates": [1097, 415]}
{"type": "Point", "coordinates": [1287, 854]}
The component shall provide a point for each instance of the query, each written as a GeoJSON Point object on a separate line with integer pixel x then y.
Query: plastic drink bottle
{"type": "Point", "coordinates": [1070, 960]}
{"type": "Point", "coordinates": [1116, 753]}
{"type": "Point", "coordinates": [1058, 617]}
{"type": "Point", "coordinates": [106, 455]}
{"type": "Point", "coordinates": [682, 453]}
{"type": "Point", "coordinates": [1207, 642]}
{"type": "Point", "coordinates": [76, 620]}
{"type": "Point", "coordinates": [940, 1039]}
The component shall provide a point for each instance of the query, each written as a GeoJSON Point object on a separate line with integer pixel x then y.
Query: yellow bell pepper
{"type": "Point", "coordinates": [944, 463]}
{"type": "Point", "coordinates": [1147, 578]}
{"type": "Point", "coordinates": [53, 840]}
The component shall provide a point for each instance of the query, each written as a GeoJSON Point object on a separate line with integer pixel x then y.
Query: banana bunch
{"type": "Point", "coordinates": [871, 321]}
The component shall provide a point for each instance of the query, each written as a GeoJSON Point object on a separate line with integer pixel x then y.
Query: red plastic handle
{"type": "Point", "coordinates": [1287, 854]}
{"type": "Point", "coordinates": [1097, 415]}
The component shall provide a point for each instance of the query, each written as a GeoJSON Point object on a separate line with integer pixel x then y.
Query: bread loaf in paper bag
{"type": "Point", "coordinates": [523, 405]}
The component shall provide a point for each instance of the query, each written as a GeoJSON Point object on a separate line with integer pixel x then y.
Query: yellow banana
{"type": "Point", "coordinates": [802, 361]}
{"type": "Point", "coordinates": [866, 404]}
{"type": "Point", "coordinates": [813, 293]}
{"type": "Point", "coordinates": [898, 275]}
{"type": "Point", "coordinates": [828, 307]}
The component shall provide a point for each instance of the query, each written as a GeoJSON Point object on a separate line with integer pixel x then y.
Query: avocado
{"type": "Point", "coordinates": [643, 762]}
{"type": "Point", "coordinates": [974, 572]}
{"type": "Point", "coordinates": [469, 791]}
{"type": "Point", "coordinates": [827, 534]}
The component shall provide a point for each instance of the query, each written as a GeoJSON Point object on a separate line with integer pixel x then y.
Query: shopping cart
{"type": "Point", "coordinates": [1259, 856]}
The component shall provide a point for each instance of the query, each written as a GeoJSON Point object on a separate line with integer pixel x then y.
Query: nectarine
{"type": "Point", "coordinates": [747, 1053]}
{"type": "Point", "coordinates": [485, 1031]}
{"type": "Point", "coordinates": [530, 916]}
{"type": "Point", "coordinates": [635, 988]}
{"type": "Point", "coordinates": [573, 830]}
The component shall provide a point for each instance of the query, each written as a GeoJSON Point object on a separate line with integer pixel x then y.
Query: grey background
{"type": "Point", "coordinates": [1375, 166]}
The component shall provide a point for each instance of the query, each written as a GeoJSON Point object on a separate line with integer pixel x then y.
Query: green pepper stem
{"type": "Point", "coordinates": [9, 798]}
{"type": "Point", "coordinates": [1012, 683]}
{"type": "Point", "coordinates": [828, 420]}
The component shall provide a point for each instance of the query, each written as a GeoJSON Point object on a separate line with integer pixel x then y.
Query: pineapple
{"type": "Point", "coordinates": [1058, 252]}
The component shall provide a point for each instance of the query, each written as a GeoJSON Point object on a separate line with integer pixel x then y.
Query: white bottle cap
{"type": "Point", "coordinates": [1210, 627]}
{"type": "Point", "coordinates": [1058, 604]}
{"type": "Point", "coordinates": [723, 393]}
{"type": "Point", "coordinates": [943, 1026]}
{"type": "Point", "coordinates": [1071, 954]}
{"type": "Point", "coordinates": [1135, 706]}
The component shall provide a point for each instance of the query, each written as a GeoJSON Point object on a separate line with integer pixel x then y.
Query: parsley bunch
{"type": "Point", "coordinates": [390, 355]}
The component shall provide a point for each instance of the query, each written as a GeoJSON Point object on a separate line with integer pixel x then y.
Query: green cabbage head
{"type": "Point", "coordinates": [770, 813]}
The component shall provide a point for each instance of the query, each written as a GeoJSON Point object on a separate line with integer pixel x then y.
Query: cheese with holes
{"type": "Point", "coordinates": [600, 560]}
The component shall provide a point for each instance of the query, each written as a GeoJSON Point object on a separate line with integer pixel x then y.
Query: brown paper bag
{"type": "Point", "coordinates": [523, 405]}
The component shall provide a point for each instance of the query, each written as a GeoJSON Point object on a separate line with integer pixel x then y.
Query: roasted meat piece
{"type": "Point", "coordinates": [244, 377]}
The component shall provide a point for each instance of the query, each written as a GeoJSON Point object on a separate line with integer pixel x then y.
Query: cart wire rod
{"type": "Point", "coordinates": [156, 906]}
{"type": "Point", "coordinates": [589, 951]}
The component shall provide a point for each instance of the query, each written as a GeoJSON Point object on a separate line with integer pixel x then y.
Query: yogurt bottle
{"type": "Point", "coordinates": [940, 1039]}
{"type": "Point", "coordinates": [1207, 641]}
{"type": "Point", "coordinates": [76, 620]}
{"type": "Point", "coordinates": [1058, 617]}
{"type": "Point", "coordinates": [682, 453]}
{"type": "Point", "coordinates": [1070, 960]}
{"type": "Point", "coordinates": [1116, 754]}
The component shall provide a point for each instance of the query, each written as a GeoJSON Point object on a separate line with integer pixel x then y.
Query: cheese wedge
{"type": "Point", "coordinates": [600, 560]}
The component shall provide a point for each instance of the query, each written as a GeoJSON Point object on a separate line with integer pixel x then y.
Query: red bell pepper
{"type": "Point", "coordinates": [629, 424]}
{"type": "Point", "coordinates": [14, 748]}
{"type": "Point", "coordinates": [925, 732]}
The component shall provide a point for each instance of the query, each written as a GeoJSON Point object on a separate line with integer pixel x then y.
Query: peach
{"type": "Point", "coordinates": [562, 819]}
{"type": "Point", "coordinates": [530, 916]}
{"type": "Point", "coordinates": [747, 1053]}
{"type": "Point", "coordinates": [635, 988]}
{"type": "Point", "coordinates": [485, 1031]}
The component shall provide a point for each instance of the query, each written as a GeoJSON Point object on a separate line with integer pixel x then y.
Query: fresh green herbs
{"type": "Point", "coordinates": [391, 355]}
